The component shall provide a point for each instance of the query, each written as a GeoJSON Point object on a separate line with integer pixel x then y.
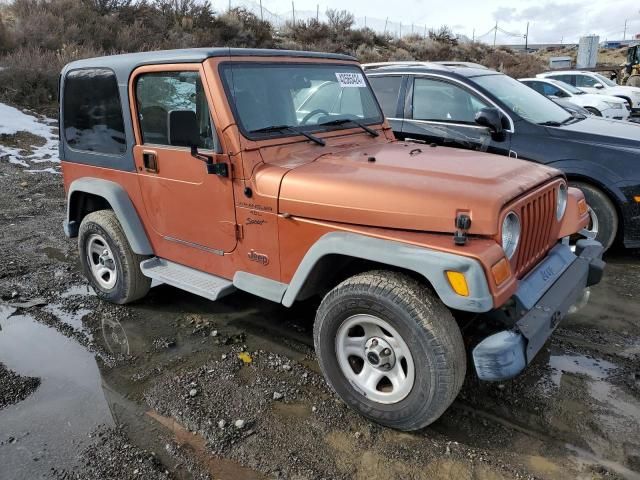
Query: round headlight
{"type": "Point", "coordinates": [561, 205]}
{"type": "Point", "coordinates": [510, 234]}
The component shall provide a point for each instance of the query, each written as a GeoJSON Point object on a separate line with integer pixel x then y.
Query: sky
{"type": "Point", "coordinates": [549, 21]}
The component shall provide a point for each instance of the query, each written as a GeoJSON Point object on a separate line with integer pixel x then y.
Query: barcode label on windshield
{"type": "Point", "coordinates": [351, 80]}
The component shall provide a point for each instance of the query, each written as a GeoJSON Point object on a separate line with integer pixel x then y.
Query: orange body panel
{"type": "Point", "coordinates": [298, 234]}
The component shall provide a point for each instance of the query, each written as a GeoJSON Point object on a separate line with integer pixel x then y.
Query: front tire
{"type": "Point", "coordinates": [109, 263]}
{"type": "Point", "coordinates": [604, 217]}
{"type": "Point", "coordinates": [390, 349]}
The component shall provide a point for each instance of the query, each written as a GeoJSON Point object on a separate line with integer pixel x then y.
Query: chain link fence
{"type": "Point", "coordinates": [280, 19]}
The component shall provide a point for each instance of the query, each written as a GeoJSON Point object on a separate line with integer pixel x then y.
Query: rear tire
{"type": "Point", "coordinates": [108, 261]}
{"type": "Point", "coordinates": [604, 218]}
{"type": "Point", "coordinates": [594, 111]}
{"type": "Point", "coordinates": [405, 317]}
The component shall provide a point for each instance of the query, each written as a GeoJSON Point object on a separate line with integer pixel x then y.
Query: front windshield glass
{"type": "Point", "coordinates": [274, 99]}
{"type": "Point", "coordinates": [605, 80]}
{"type": "Point", "coordinates": [522, 100]}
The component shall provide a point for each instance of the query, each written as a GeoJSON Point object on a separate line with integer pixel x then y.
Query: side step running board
{"type": "Point", "coordinates": [186, 278]}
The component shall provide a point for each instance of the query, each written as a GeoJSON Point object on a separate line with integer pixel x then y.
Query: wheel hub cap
{"type": "Point", "coordinates": [379, 353]}
{"type": "Point", "coordinates": [101, 262]}
{"type": "Point", "coordinates": [375, 359]}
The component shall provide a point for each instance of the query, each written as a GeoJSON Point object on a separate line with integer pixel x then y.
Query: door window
{"type": "Point", "coordinates": [552, 90]}
{"type": "Point", "coordinates": [387, 90]}
{"type": "Point", "coordinates": [586, 81]}
{"type": "Point", "coordinates": [570, 79]}
{"type": "Point", "coordinates": [537, 86]}
{"type": "Point", "coordinates": [441, 101]}
{"type": "Point", "coordinates": [157, 94]}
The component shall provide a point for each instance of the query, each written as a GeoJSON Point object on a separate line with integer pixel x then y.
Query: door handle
{"type": "Point", "coordinates": [150, 161]}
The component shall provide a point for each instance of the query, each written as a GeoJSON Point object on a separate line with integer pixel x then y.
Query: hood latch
{"type": "Point", "coordinates": [463, 223]}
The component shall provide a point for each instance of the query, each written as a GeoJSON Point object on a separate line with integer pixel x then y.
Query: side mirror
{"type": "Point", "coordinates": [183, 128]}
{"type": "Point", "coordinates": [492, 119]}
{"type": "Point", "coordinates": [599, 86]}
{"type": "Point", "coordinates": [184, 132]}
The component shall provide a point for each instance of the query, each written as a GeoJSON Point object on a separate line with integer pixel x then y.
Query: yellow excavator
{"type": "Point", "coordinates": [630, 74]}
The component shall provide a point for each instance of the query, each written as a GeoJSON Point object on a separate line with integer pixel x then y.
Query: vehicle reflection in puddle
{"type": "Point", "coordinates": [115, 337]}
{"type": "Point", "coordinates": [51, 425]}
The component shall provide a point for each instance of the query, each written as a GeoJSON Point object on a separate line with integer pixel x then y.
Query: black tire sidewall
{"type": "Point", "coordinates": [417, 339]}
{"type": "Point", "coordinates": [119, 291]}
{"type": "Point", "coordinates": [604, 210]}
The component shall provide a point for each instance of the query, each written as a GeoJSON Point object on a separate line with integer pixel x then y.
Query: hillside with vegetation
{"type": "Point", "coordinates": [37, 37]}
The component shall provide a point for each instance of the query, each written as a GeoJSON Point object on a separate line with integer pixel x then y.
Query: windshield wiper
{"type": "Point", "coordinates": [280, 128]}
{"type": "Point", "coordinates": [550, 123]}
{"type": "Point", "coordinates": [553, 123]}
{"type": "Point", "coordinates": [342, 121]}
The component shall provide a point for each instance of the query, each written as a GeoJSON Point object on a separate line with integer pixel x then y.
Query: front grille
{"type": "Point", "coordinates": [537, 213]}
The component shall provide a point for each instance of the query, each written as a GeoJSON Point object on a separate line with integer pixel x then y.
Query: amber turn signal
{"type": "Point", "coordinates": [501, 271]}
{"type": "Point", "coordinates": [582, 206]}
{"type": "Point", "coordinates": [458, 283]}
{"type": "Point", "coordinates": [637, 198]}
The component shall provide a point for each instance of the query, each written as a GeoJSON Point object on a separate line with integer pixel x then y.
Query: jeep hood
{"type": "Point", "coordinates": [408, 186]}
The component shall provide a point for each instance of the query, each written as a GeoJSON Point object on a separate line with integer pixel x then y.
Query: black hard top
{"type": "Point", "coordinates": [124, 64]}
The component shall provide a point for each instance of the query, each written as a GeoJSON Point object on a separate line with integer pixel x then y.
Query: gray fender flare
{"type": "Point", "coordinates": [122, 206]}
{"type": "Point", "coordinates": [431, 264]}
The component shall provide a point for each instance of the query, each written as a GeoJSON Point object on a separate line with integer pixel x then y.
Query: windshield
{"type": "Point", "coordinates": [522, 100]}
{"type": "Point", "coordinates": [277, 99]}
{"type": "Point", "coordinates": [605, 80]}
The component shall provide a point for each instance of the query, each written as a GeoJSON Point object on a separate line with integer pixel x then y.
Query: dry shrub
{"type": "Point", "coordinates": [30, 75]}
{"type": "Point", "coordinates": [37, 37]}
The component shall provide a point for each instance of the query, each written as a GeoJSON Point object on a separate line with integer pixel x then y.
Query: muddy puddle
{"type": "Point", "coordinates": [54, 421]}
{"type": "Point", "coordinates": [173, 377]}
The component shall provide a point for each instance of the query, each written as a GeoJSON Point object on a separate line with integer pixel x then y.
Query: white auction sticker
{"type": "Point", "coordinates": [351, 79]}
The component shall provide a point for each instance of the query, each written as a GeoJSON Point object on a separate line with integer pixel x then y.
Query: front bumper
{"type": "Point", "coordinates": [546, 294]}
{"type": "Point", "coordinates": [616, 113]}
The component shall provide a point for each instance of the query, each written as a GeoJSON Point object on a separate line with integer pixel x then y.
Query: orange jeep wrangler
{"type": "Point", "coordinates": [275, 172]}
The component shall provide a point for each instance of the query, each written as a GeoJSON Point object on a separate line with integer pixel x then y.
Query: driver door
{"type": "Point", "coordinates": [441, 112]}
{"type": "Point", "coordinates": [184, 204]}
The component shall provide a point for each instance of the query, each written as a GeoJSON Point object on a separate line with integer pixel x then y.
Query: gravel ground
{"type": "Point", "coordinates": [14, 388]}
{"type": "Point", "coordinates": [167, 381]}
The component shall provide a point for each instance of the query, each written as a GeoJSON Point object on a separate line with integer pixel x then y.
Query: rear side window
{"type": "Point", "coordinates": [387, 89]}
{"type": "Point", "coordinates": [92, 113]}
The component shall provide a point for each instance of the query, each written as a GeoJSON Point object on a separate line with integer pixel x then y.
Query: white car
{"type": "Point", "coordinates": [592, 82]}
{"type": "Point", "coordinates": [600, 105]}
